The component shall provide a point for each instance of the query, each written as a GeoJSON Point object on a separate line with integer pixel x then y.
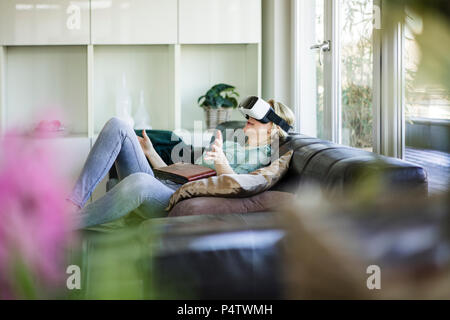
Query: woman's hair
{"type": "Point", "coordinates": [285, 113]}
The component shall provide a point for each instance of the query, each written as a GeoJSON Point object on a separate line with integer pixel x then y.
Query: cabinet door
{"type": "Point", "coordinates": [31, 22]}
{"type": "Point", "coordinates": [134, 21]}
{"type": "Point", "coordinates": [220, 21]}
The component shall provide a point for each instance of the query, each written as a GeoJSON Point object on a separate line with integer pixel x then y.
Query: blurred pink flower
{"type": "Point", "coordinates": [34, 226]}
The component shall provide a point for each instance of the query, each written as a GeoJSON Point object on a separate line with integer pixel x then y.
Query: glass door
{"type": "Point", "coordinates": [341, 43]}
{"type": "Point", "coordinates": [314, 60]}
{"type": "Point", "coordinates": [309, 64]}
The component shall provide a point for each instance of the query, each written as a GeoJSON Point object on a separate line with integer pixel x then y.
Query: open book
{"type": "Point", "coordinates": [184, 172]}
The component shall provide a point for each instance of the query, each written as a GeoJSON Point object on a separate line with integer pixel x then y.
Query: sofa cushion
{"type": "Point", "coordinates": [233, 256]}
{"type": "Point", "coordinates": [262, 202]}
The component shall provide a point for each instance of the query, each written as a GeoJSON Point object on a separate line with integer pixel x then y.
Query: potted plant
{"type": "Point", "coordinates": [218, 103]}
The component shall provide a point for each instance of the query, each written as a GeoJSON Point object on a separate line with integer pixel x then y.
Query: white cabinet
{"type": "Point", "coordinates": [219, 21]}
{"type": "Point", "coordinates": [31, 22]}
{"type": "Point", "coordinates": [134, 21]}
{"type": "Point", "coordinates": [68, 22]}
{"type": "Point", "coordinates": [64, 59]}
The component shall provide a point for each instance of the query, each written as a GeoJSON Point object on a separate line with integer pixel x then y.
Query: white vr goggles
{"type": "Point", "coordinates": [262, 111]}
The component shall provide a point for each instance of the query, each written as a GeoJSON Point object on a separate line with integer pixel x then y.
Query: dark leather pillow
{"type": "Point", "coordinates": [265, 201]}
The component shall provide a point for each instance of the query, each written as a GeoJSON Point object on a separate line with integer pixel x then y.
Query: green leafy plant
{"type": "Point", "coordinates": [357, 73]}
{"type": "Point", "coordinates": [220, 95]}
{"type": "Point", "coordinates": [357, 114]}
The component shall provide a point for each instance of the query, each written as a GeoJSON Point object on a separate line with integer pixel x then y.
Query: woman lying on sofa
{"type": "Point", "coordinates": [139, 189]}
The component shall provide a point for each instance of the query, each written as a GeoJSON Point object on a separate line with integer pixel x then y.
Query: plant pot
{"type": "Point", "coordinates": [216, 116]}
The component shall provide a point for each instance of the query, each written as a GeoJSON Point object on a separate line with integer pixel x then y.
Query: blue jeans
{"type": "Point", "coordinates": [138, 188]}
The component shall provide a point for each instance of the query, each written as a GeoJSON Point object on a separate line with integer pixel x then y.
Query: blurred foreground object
{"type": "Point", "coordinates": [113, 264]}
{"type": "Point", "coordinates": [430, 22]}
{"type": "Point", "coordinates": [46, 126]}
{"type": "Point", "coordinates": [333, 246]}
{"type": "Point", "coordinates": [34, 225]}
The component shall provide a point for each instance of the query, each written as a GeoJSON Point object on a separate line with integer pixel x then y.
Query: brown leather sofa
{"type": "Point", "coordinates": [209, 251]}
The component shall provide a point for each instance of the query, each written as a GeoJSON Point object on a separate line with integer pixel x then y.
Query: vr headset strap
{"type": "Point", "coordinates": [272, 116]}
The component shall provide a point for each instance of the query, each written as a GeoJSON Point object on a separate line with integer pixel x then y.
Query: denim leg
{"type": "Point", "coordinates": [139, 191]}
{"type": "Point", "coordinates": [117, 142]}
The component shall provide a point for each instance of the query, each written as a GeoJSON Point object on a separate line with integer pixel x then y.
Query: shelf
{"type": "Point", "coordinates": [61, 136]}
{"type": "Point", "coordinates": [64, 60]}
{"type": "Point", "coordinates": [172, 77]}
{"type": "Point", "coordinates": [146, 67]}
{"type": "Point", "coordinates": [203, 66]}
{"type": "Point", "coordinates": [46, 82]}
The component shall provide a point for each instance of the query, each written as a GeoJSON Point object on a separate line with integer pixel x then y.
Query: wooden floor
{"type": "Point", "coordinates": [437, 165]}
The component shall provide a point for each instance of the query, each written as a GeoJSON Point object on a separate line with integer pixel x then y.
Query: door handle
{"type": "Point", "coordinates": [322, 47]}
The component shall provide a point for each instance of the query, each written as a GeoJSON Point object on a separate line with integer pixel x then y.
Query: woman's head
{"type": "Point", "coordinates": [285, 113]}
{"type": "Point", "coordinates": [258, 132]}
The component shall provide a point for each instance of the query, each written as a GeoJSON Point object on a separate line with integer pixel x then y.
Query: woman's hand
{"type": "Point", "coordinates": [145, 143]}
{"type": "Point", "coordinates": [150, 152]}
{"type": "Point", "coordinates": [216, 154]}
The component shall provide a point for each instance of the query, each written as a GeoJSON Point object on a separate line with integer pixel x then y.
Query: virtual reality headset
{"type": "Point", "coordinates": [262, 111]}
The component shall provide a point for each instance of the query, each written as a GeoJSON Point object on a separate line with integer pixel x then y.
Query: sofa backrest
{"type": "Point", "coordinates": [339, 167]}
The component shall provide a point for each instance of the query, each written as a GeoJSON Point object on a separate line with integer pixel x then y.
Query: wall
{"type": "Point", "coordinates": [277, 51]}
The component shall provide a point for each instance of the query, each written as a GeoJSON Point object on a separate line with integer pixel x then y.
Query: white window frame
{"type": "Point", "coordinates": [332, 94]}
{"type": "Point", "coordinates": [304, 62]}
{"type": "Point", "coordinates": [390, 119]}
{"type": "Point", "coordinates": [377, 62]}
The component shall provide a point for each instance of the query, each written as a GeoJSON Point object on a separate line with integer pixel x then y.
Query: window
{"type": "Point", "coordinates": [427, 116]}
{"type": "Point", "coordinates": [358, 85]}
{"type": "Point", "coordinates": [357, 73]}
